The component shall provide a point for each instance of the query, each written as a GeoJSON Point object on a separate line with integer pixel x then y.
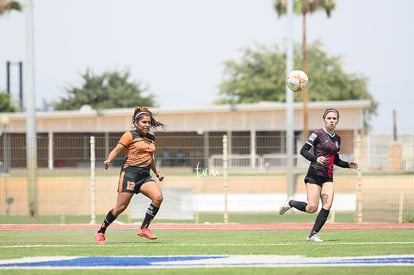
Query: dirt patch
{"type": "Point", "coordinates": [72, 195]}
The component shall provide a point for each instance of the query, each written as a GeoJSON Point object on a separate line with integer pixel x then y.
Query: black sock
{"type": "Point", "coordinates": [108, 220]}
{"type": "Point", "coordinates": [299, 205]}
{"type": "Point", "coordinates": [149, 216]}
{"type": "Point", "coordinates": [320, 221]}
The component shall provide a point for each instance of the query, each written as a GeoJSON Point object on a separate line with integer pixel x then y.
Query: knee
{"type": "Point", "coordinates": [326, 201]}
{"type": "Point", "coordinates": [157, 199]}
{"type": "Point", "coordinates": [311, 208]}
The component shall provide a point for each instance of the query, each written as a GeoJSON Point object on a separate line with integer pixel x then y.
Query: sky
{"type": "Point", "coordinates": [177, 47]}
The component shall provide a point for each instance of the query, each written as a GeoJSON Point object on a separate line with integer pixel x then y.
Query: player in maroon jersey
{"type": "Point", "coordinates": [319, 178]}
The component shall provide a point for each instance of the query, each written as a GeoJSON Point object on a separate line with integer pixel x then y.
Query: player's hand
{"type": "Point", "coordinates": [107, 163]}
{"type": "Point", "coordinates": [353, 165]}
{"type": "Point", "coordinates": [321, 160]}
{"type": "Point", "coordinates": [160, 175]}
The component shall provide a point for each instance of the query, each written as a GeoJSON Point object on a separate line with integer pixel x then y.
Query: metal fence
{"type": "Point", "coordinates": [256, 178]}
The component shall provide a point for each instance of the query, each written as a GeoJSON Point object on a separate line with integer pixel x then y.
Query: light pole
{"type": "Point", "coordinates": [5, 123]}
{"type": "Point", "coordinates": [290, 131]}
{"type": "Point", "coordinates": [30, 99]}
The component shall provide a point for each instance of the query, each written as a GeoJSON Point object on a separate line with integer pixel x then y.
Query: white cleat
{"type": "Point", "coordinates": [314, 238]}
{"type": "Point", "coordinates": [285, 207]}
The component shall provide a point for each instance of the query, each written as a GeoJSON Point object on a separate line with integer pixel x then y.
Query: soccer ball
{"type": "Point", "coordinates": [297, 81]}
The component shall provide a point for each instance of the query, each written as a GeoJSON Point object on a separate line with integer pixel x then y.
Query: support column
{"type": "Point", "coordinates": [253, 148]}
{"type": "Point", "coordinates": [206, 149]}
{"type": "Point", "coordinates": [50, 151]}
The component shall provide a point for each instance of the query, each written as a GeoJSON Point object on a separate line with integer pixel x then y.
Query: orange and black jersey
{"type": "Point", "coordinates": [139, 149]}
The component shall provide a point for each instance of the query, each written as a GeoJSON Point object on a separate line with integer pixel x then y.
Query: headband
{"type": "Point", "coordinates": [330, 110]}
{"type": "Point", "coordinates": [141, 113]}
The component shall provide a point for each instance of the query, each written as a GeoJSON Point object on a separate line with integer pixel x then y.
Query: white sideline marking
{"type": "Point", "coordinates": [206, 244]}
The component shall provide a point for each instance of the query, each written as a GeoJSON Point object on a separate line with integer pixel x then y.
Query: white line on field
{"type": "Point", "coordinates": [203, 244]}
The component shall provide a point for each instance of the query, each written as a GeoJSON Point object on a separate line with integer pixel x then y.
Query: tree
{"type": "Point", "coordinates": [304, 7]}
{"type": "Point", "coordinates": [260, 76]}
{"type": "Point", "coordinates": [109, 90]}
{"type": "Point", "coordinates": [9, 5]}
{"type": "Point", "coordinates": [6, 104]}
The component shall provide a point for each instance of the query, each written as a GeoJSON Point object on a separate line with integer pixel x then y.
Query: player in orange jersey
{"type": "Point", "coordinates": [139, 147]}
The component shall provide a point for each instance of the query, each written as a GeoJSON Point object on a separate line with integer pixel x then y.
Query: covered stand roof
{"type": "Point", "coordinates": [266, 116]}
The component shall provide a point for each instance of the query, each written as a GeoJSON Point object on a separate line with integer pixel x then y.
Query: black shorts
{"type": "Point", "coordinates": [132, 177]}
{"type": "Point", "coordinates": [318, 180]}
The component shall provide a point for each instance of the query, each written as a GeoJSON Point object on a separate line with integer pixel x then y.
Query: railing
{"type": "Point", "coordinates": [262, 163]}
{"type": "Point", "coordinates": [64, 191]}
{"type": "Point", "coordinates": [379, 153]}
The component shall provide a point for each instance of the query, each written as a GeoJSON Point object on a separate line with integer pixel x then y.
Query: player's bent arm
{"type": "Point", "coordinates": [153, 167]}
{"type": "Point", "coordinates": [112, 155]}
{"type": "Point", "coordinates": [306, 154]}
{"type": "Point", "coordinates": [157, 172]}
{"type": "Point", "coordinates": [345, 164]}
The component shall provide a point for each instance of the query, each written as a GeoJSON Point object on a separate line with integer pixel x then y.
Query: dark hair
{"type": "Point", "coordinates": [141, 111]}
{"type": "Point", "coordinates": [330, 110]}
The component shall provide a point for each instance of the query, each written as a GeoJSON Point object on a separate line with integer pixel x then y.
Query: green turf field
{"type": "Point", "coordinates": [19, 244]}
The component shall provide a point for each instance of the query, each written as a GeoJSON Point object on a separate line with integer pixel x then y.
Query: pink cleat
{"type": "Point", "coordinates": [100, 238]}
{"type": "Point", "coordinates": [146, 233]}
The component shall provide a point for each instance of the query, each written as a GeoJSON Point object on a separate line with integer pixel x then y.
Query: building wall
{"type": "Point", "coordinates": [198, 132]}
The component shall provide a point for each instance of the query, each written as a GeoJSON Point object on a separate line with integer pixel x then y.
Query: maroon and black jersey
{"type": "Point", "coordinates": [327, 145]}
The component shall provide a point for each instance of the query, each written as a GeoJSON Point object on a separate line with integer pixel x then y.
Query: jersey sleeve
{"type": "Point", "coordinates": [312, 139]}
{"type": "Point", "coordinates": [151, 137]}
{"type": "Point", "coordinates": [306, 154]}
{"type": "Point", "coordinates": [339, 162]}
{"type": "Point", "coordinates": [125, 139]}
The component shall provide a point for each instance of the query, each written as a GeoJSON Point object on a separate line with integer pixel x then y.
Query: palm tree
{"type": "Point", "coordinates": [9, 5]}
{"type": "Point", "coordinates": [304, 7]}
